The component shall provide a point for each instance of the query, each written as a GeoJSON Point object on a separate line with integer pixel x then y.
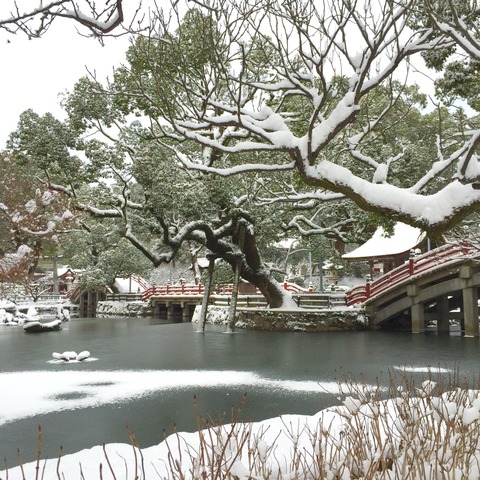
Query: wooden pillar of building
{"type": "Point", "coordinates": [443, 320]}
{"type": "Point", "coordinates": [470, 303]}
{"type": "Point", "coordinates": [417, 311]}
{"type": "Point", "coordinates": [89, 303]}
{"type": "Point", "coordinates": [156, 309]}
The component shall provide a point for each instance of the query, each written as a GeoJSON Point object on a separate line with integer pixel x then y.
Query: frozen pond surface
{"type": "Point", "coordinates": [144, 374]}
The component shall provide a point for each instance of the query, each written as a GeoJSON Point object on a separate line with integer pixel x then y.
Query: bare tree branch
{"type": "Point", "coordinates": [100, 18]}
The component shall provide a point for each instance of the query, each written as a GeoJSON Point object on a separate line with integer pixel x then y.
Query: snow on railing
{"type": "Point", "coordinates": [163, 290]}
{"type": "Point", "coordinates": [414, 266]}
{"type": "Point", "coordinates": [184, 289]}
{"type": "Point", "coordinates": [294, 288]}
{"type": "Point", "coordinates": [43, 298]}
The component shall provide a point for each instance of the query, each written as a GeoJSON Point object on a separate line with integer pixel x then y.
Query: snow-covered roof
{"type": "Point", "coordinates": [203, 262]}
{"type": "Point", "coordinates": [125, 285]}
{"type": "Point", "coordinates": [63, 270]}
{"type": "Point", "coordinates": [404, 238]}
{"type": "Point", "coordinates": [286, 244]}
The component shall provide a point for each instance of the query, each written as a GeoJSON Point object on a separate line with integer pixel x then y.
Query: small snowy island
{"type": "Point", "coordinates": [17, 318]}
{"type": "Point", "coordinates": [71, 356]}
{"type": "Point", "coordinates": [38, 327]}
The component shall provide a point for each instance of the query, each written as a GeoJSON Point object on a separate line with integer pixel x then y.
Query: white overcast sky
{"type": "Point", "coordinates": [34, 72]}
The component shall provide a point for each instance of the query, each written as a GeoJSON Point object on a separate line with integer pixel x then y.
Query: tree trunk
{"type": "Point", "coordinates": [236, 278]}
{"type": "Point", "coordinates": [194, 261]}
{"type": "Point", "coordinates": [254, 271]}
{"type": "Point", "coordinates": [206, 295]}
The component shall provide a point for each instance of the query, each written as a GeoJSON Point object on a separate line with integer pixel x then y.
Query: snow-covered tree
{"type": "Point", "coordinates": [34, 18]}
{"type": "Point", "coordinates": [18, 256]}
{"type": "Point", "coordinates": [257, 55]}
{"type": "Point", "coordinates": [296, 101]}
{"type": "Point", "coordinates": [103, 255]}
{"type": "Point", "coordinates": [32, 218]}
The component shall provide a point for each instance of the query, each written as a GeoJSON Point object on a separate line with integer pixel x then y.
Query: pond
{"type": "Point", "coordinates": [150, 376]}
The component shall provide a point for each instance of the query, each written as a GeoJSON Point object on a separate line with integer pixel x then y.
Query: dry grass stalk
{"type": "Point", "coordinates": [430, 432]}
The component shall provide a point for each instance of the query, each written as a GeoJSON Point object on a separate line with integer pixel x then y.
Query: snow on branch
{"type": "Point", "coordinates": [457, 26]}
{"type": "Point", "coordinates": [12, 263]}
{"type": "Point", "coordinates": [436, 210]}
{"type": "Point", "coordinates": [463, 157]}
{"type": "Point", "coordinates": [114, 18]}
{"type": "Point", "coordinates": [225, 172]}
{"type": "Point", "coordinates": [301, 200]}
{"type": "Point", "coordinates": [307, 227]}
{"type": "Point", "coordinates": [323, 65]}
{"type": "Point", "coordinates": [102, 17]}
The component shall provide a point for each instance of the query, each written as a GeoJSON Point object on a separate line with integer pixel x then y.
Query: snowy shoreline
{"type": "Point", "coordinates": [12, 314]}
{"type": "Point", "coordinates": [417, 433]}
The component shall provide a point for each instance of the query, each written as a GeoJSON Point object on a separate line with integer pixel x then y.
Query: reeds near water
{"type": "Point", "coordinates": [428, 432]}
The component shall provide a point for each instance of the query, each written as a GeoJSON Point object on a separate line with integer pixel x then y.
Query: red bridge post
{"type": "Point", "coordinates": [367, 285]}
{"type": "Point", "coordinates": [411, 262]}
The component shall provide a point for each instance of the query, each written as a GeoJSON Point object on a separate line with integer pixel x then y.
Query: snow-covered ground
{"type": "Point", "coordinates": [421, 433]}
{"type": "Point", "coordinates": [12, 314]}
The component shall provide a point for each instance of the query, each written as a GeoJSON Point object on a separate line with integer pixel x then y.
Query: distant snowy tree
{"type": "Point", "coordinates": [100, 251]}
{"type": "Point", "coordinates": [32, 218]}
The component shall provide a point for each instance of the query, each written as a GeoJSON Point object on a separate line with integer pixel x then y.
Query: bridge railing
{"type": "Point", "coordinates": [73, 291]}
{"type": "Point", "coordinates": [184, 289]}
{"type": "Point", "coordinates": [123, 297]}
{"type": "Point", "coordinates": [294, 288]}
{"type": "Point", "coordinates": [141, 281]}
{"type": "Point", "coordinates": [413, 266]}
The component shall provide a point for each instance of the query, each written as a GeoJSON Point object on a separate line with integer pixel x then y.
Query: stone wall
{"type": "Point", "coordinates": [334, 320]}
{"type": "Point", "coordinates": [115, 308]}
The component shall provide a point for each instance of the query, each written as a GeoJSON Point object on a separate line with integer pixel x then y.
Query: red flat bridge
{"type": "Point", "coordinates": [442, 285]}
{"type": "Point", "coordinates": [176, 300]}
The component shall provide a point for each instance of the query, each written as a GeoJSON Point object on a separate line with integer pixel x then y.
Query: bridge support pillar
{"type": "Point", "coordinates": [185, 312]}
{"type": "Point", "coordinates": [156, 309]}
{"type": "Point", "coordinates": [470, 311]}
{"type": "Point", "coordinates": [417, 311]}
{"type": "Point", "coordinates": [443, 323]}
{"type": "Point", "coordinates": [90, 303]}
{"type": "Point", "coordinates": [418, 318]}
{"type": "Point", "coordinates": [370, 312]}
{"type": "Point", "coordinates": [170, 312]}
{"type": "Point", "coordinates": [470, 302]}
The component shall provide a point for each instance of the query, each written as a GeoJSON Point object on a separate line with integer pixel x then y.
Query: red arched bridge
{"type": "Point", "coordinates": [440, 285]}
